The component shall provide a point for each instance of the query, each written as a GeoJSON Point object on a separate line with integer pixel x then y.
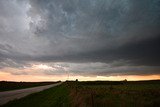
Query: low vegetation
{"type": "Point", "coordinates": [115, 94]}
{"type": "Point", "coordinates": [6, 86]}
{"type": "Point", "coordinates": [53, 97]}
{"type": "Point", "coordinates": [95, 94]}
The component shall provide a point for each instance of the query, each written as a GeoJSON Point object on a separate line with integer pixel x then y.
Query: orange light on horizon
{"type": "Point", "coordinates": [4, 76]}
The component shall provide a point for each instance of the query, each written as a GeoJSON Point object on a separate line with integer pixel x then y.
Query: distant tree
{"type": "Point", "coordinates": [76, 80]}
{"type": "Point", "coordinates": [125, 80]}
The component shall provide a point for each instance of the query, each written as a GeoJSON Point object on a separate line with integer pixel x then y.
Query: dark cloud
{"type": "Point", "coordinates": [99, 31]}
{"type": "Point", "coordinates": [145, 52]}
{"type": "Point", "coordinates": [82, 31]}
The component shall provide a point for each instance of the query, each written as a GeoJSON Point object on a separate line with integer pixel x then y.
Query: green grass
{"type": "Point", "coordinates": [106, 94]}
{"type": "Point", "coordinates": [53, 97]}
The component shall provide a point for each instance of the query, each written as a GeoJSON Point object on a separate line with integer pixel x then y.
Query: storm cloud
{"type": "Point", "coordinates": [86, 37]}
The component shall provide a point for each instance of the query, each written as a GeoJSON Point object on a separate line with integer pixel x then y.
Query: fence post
{"type": "Point", "coordinates": [92, 99]}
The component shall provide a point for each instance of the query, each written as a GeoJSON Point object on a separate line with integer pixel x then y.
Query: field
{"type": "Point", "coordinates": [6, 86]}
{"type": "Point", "coordinates": [95, 94]}
{"type": "Point", "coordinates": [53, 97]}
{"type": "Point", "coordinates": [116, 94]}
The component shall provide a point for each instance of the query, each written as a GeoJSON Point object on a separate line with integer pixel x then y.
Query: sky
{"type": "Point", "coordinates": [50, 40]}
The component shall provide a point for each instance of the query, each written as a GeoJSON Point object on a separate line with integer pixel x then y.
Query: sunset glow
{"type": "Point", "coordinates": [41, 66]}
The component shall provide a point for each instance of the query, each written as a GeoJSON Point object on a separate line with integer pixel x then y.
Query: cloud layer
{"type": "Point", "coordinates": [90, 37]}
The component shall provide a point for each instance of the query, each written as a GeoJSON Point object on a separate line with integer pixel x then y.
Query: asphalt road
{"type": "Point", "coordinates": [16, 94]}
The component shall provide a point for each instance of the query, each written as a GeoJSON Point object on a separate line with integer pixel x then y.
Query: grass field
{"type": "Point", "coordinates": [53, 97]}
{"type": "Point", "coordinates": [6, 86]}
{"type": "Point", "coordinates": [116, 94]}
{"type": "Point", "coordinates": [95, 94]}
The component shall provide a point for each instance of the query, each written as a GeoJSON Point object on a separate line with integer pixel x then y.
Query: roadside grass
{"type": "Point", "coordinates": [128, 94]}
{"type": "Point", "coordinates": [53, 97]}
{"type": "Point", "coordinates": [95, 94]}
{"type": "Point", "coordinates": [7, 86]}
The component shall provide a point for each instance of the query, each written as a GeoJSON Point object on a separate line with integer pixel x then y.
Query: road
{"type": "Point", "coordinates": [16, 94]}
